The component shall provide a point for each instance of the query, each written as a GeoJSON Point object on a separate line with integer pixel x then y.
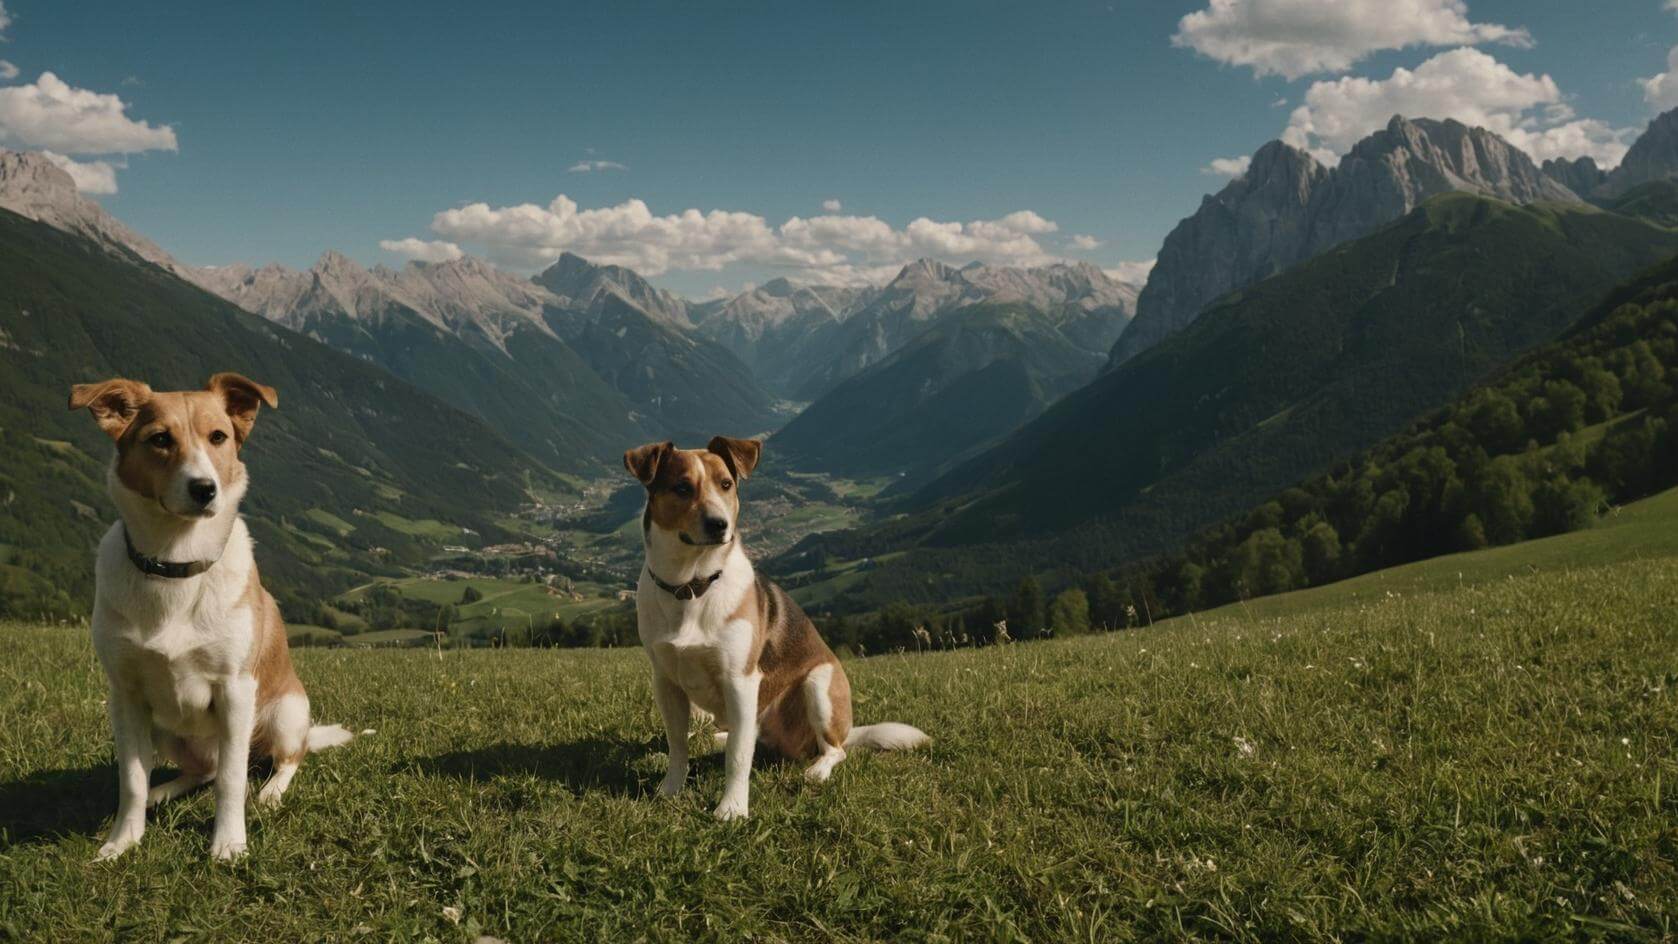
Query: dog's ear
{"type": "Point", "coordinates": [114, 403]}
{"type": "Point", "coordinates": [643, 461]}
{"type": "Point", "coordinates": [741, 455]}
{"type": "Point", "coordinates": [243, 398]}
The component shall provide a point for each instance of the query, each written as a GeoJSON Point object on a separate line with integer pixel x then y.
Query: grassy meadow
{"type": "Point", "coordinates": [1490, 759]}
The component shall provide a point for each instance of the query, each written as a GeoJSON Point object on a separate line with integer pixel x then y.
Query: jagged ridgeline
{"type": "Point", "coordinates": [570, 366]}
{"type": "Point", "coordinates": [358, 473]}
{"type": "Point", "coordinates": [1264, 388]}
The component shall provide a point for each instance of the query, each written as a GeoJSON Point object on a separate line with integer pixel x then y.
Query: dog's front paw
{"type": "Point", "coordinates": [731, 808]}
{"type": "Point", "coordinates": [226, 850]}
{"type": "Point", "coordinates": [671, 785]}
{"type": "Point", "coordinates": [112, 849]}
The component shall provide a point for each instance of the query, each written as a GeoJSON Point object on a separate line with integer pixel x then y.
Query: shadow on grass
{"type": "Point", "coordinates": [49, 804]}
{"type": "Point", "coordinates": [618, 766]}
{"type": "Point", "coordinates": [587, 765]}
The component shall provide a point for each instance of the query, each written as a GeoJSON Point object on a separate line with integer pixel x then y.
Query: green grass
{"type": "Point", "coordinates": [390, 637]}
{"type": "Point", "coordinates": [1642, 530]}
{"type": "Point", "coordinates": [331, 521]}
{"type": "Point", "coordinates": [506, 605]}
{"type": "Point", "coordinates": [419, 528]}
{"type": "Point", "coordinates": [1499, 760]}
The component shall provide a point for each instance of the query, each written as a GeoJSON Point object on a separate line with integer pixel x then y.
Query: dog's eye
{"type": "Point", "coordinates": [217, 438]}
{"type": "Point", "coordinates": [161, 440]}
{"type": "Point", "coordinates": [683, 489]}
{"type": "Point", "coordinates": [726, 485]}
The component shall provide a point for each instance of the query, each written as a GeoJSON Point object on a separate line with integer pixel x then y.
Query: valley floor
{"type": "Point", "coordinates": [1495, 760]}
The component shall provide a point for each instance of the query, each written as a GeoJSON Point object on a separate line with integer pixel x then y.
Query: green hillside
{"type": "Point", "coordinates": [536, 392]}
{"type": "Point", "coordinates": [1642, 531]}
{"type": "Point", "coordinates": [1269, 386]}
{"type": "Point", "coordinates": [681, 385]}
{"type": "Point", "coordinates": [975, 376]}
{"type": "Point", "coordinates": [1562, 435]}
{"type": "Point", "coordinates": [357, 473]}
{"type": "Point", "coordinates": [1490, 762]}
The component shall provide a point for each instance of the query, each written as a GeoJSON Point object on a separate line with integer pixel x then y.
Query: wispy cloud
{"type": "Point", "coordinates": [589, 167]}
{"type": "Point", "coordinates": [1227, 166]}
{"type": "Point", "coordinates": [422, 250]}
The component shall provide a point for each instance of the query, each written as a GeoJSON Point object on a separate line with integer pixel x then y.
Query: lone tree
{"type": "Point", "coordinates": [1069, 615]}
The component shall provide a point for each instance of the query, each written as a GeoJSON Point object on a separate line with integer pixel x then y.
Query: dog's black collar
{"type": "Point", "coordinates": [174, 570]}
{"type": "Point", "coordinates": [692, 590]}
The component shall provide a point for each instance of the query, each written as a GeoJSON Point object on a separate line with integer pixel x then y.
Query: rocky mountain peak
{"type": "Point", "coordinates": [1288, 207]}
{"type": "Point", "coordinates": [1653, 156]}
{"type": "Point", "coordinates": [586, 285]}
{"type": "Point", "coordinates": [32, 186]}
{"type": "Point", "coordinates": [1580, 175]}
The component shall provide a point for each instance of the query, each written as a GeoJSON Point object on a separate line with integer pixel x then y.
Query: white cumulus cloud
{"type": "Point", "coordinates": [422, 250]}
{"type": "Point", "coordinates": [8, 71]}
{"type": "Point", "coordinates": [1084, 243]}
{"type": "Point", "coordinates": [832, 205]}
{"type": "Point", "coordinates": [1136, 273]}
{"type": "Point", "coordinates": [585, 167]}
{"type": "Point", "coordinates": [1661, 91]}
{"type": "Point", "coordinates": [1292, 38]}
{"type": "Point", "coordinates": [89, 176]}
{"type": "Point", "coordinates": [51, 114]}
{"type": "Point", "coordinates": [828, 248]}
{"type": "Point", "coordinates": [1466, 84]}
{"type": "Point", "coordinates": [1228, 166]}
{"type": "Point", "coordinates": [5, 20]}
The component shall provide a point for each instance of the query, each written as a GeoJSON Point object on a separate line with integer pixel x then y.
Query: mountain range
{"type": "Point", "coordinates": [1277, 378]}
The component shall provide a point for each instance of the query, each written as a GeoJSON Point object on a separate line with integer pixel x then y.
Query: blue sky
{"type": "Point", "coordinates": [307, 126]}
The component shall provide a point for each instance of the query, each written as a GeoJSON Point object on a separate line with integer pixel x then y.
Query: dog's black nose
{"type": "Point", "coordinates": [203, 491]}
{"type": "Point", "coordinates": [715, 527]}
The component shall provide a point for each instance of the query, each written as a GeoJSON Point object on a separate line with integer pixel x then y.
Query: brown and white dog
{"type": "Point", "coordinates": [726, 641]}
{"type": "Point", "coordinates": [192, 644]}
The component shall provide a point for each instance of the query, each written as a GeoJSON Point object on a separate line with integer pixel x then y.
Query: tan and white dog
{"type": "Point", "coordinates": [192, 644]}
{"type": "Point", "coordinates": [726, 641]}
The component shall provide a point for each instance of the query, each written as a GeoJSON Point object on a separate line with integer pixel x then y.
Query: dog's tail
{"type": "Point", "coordinates": [887, 736]}
{"type": "Point", "coordinates": [323, 736]}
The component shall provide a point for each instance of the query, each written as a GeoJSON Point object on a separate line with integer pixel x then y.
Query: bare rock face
{"type": "Point", "coordinates": [1288, 208]}
{"type": "Point", "coordinates": [1080, 300]}
{"type": "Point", "coordinates": [33, 187]}
{"type": "Point", "coordinates": [586, 286]}
{"type": "Point", "coordinates": [1580, 175]}
{"type": "Point", "coordinates": [1653, 156]}
{"type": "Point", "coordinates": [1259, 224]}
{"type": "Point", "coordinates": [764, 325]}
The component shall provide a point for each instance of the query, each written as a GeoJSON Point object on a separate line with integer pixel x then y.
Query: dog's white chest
{"type": "Point", "coordinates": [178, 666]}
{"type": "Point", "coordinates": [173, 643]}
{"type": "Point", "coordinates": [698, 647]}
